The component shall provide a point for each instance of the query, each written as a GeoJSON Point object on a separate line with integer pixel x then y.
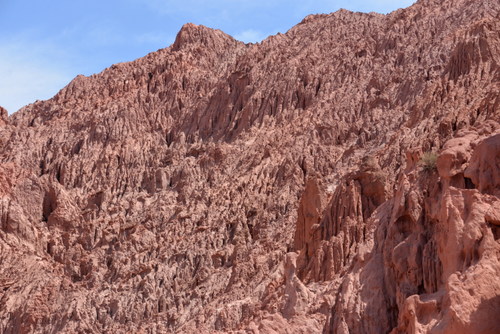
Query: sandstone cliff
{"type": "Point", "coordinates": [279, 187]}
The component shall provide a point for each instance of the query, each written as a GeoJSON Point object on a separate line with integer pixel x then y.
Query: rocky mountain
{"type": "Point", "coordinates": [343, 177]}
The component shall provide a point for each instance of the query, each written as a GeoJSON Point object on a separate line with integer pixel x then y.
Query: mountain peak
{"type": "Point", "coordinates": [340, 177]}
{"type": "Point", "coordinates": [191, 34]}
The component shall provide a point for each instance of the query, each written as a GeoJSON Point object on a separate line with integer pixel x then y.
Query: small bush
{"type": "Point", "coordinates": [428, 161]}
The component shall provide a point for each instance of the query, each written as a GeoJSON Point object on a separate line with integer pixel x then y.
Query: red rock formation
{"type": "Point", "coordinates": [214, 186]}
{"type": "Point", "coordinates": [309, 211]}
{"type": "Point", "coordinates": [3, 116]}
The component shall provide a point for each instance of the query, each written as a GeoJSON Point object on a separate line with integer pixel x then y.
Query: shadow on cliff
{"type": "Point", "coordinates": [485, 319]}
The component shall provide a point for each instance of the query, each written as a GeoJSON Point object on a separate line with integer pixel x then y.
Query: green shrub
{"type": "Point", "coordinates": [428, 161]}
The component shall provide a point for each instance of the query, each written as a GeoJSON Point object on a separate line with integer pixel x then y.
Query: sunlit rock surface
{"type": "Point", "coordinates": [278, 187]}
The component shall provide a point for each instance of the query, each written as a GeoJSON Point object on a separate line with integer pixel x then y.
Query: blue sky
{"type": "Point", "coordinates": [44, 44]}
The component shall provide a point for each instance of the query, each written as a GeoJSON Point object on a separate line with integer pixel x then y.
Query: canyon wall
{"type": "Point", "coordinates": [343, 177]}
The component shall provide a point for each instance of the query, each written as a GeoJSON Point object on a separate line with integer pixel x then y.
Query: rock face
{"type": "Point", "coordinates": [279, 187]}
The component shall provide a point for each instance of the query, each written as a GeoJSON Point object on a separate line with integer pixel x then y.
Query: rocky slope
{"type": "Point", "coordinates": [279, 187]}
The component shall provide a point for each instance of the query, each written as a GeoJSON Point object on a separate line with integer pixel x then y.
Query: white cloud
{"type": "Point", "coordinates": [32, 69]}
{"type": "Point", "coordinates": [250, 36]}
{"type": "Point", "coordinates": [29, 72]}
